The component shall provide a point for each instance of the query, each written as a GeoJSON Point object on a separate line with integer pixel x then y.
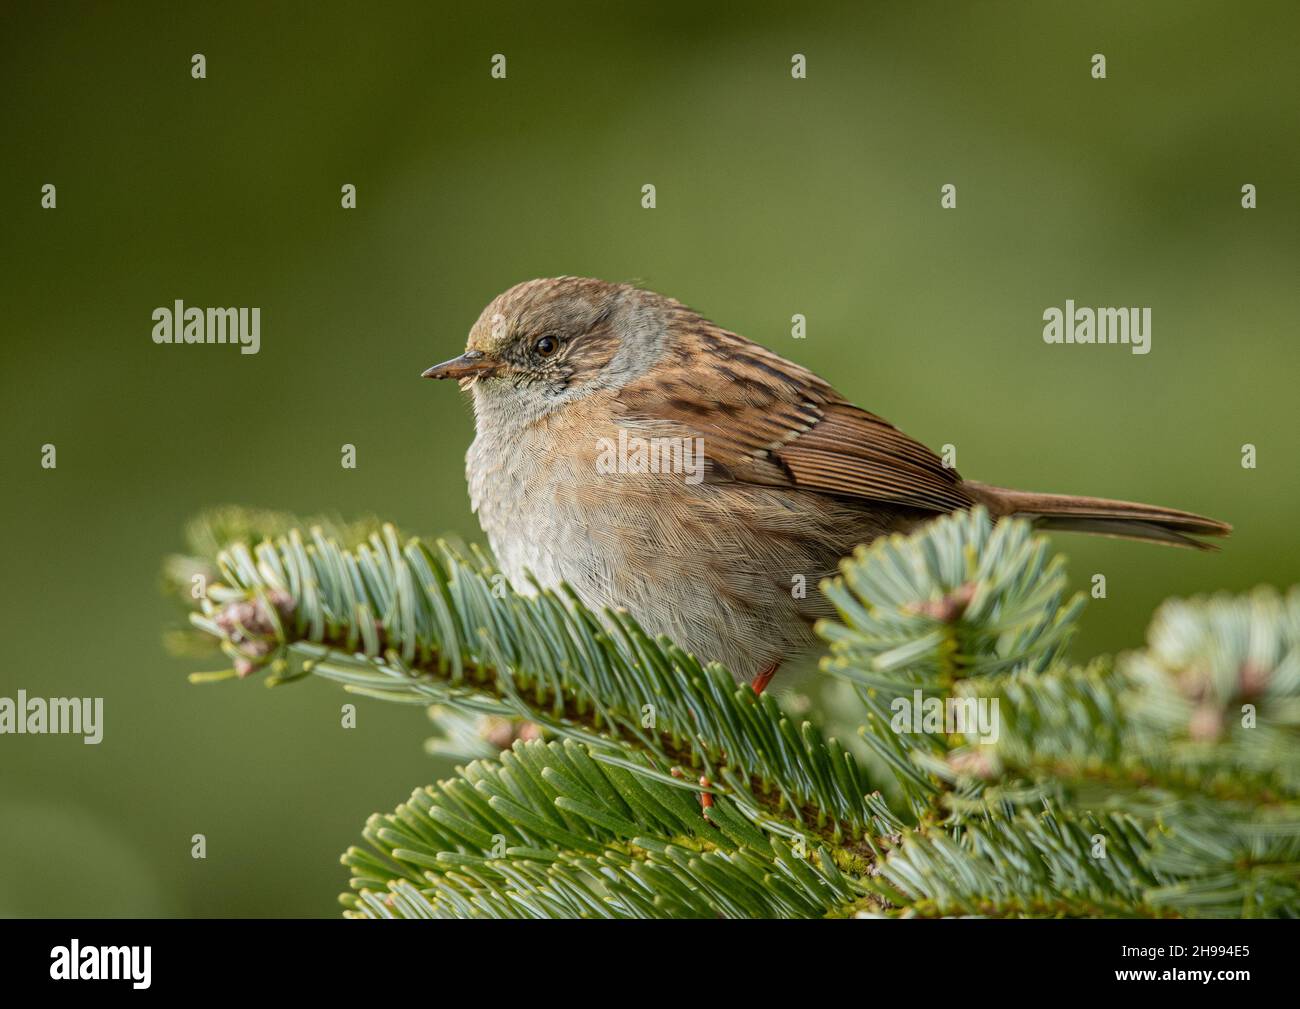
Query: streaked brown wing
{"type": "Point", "coordinates": [769, 422]}
{"type": "Point", "coordinates": [853, 453]}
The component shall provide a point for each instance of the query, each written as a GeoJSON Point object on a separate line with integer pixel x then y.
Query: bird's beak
{"type": "Point", "coordinates": [471, 364]}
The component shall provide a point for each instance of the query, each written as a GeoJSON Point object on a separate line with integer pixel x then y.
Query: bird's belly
{"type": "Point", "coordinates": [528, 547]}
{"type": "Point", "coordinates": [728, 574]}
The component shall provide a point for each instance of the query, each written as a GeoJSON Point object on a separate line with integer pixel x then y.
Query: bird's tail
{"type": "Point", "coordinates": [1103, 517]}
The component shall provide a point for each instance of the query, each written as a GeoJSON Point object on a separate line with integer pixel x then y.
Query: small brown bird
{"type": "Point", "coordinates": [657, 462]}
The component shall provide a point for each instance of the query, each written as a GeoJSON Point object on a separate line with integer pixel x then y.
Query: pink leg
{"type": "Point", "coordinates": [763, 678]}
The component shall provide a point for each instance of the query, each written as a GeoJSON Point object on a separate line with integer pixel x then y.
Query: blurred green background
{"type": "Point", "coordinates": [775, 196]}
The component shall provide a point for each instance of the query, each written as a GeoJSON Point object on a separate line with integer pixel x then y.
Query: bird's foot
{"type": "Point", "coordinates": [764, 677]}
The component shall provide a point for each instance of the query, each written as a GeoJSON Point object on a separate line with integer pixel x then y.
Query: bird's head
{"type": "Point", "coordinates": [548, 342]}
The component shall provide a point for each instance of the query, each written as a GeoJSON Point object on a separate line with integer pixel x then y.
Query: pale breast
{"type": "Point", "coordinates": [727, 571]}
{"type": "Point", "coordinates": [516, 487]}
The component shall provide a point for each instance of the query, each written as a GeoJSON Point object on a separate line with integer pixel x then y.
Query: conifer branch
{"type": "Point", "coordinates": [1193, 742]}
{"type": "Point", "coordinates": [1164, 784]}
{"type": "Point", "coordinates": [406, 622]}
{"type": "Point", "coordinates": [548, 831]}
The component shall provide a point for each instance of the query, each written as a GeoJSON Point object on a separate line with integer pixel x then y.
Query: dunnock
{"type": "Point", "coordinates": [657, 462]}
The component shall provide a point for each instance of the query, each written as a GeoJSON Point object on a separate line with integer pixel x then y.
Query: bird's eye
{"type": "Point", "coordinates": [546, 346]}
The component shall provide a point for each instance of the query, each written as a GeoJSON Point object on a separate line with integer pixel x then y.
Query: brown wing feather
{"type": "Point", "coordinates": [855, 453]}
{"type": "Point", "coordinates": [767, 421]}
